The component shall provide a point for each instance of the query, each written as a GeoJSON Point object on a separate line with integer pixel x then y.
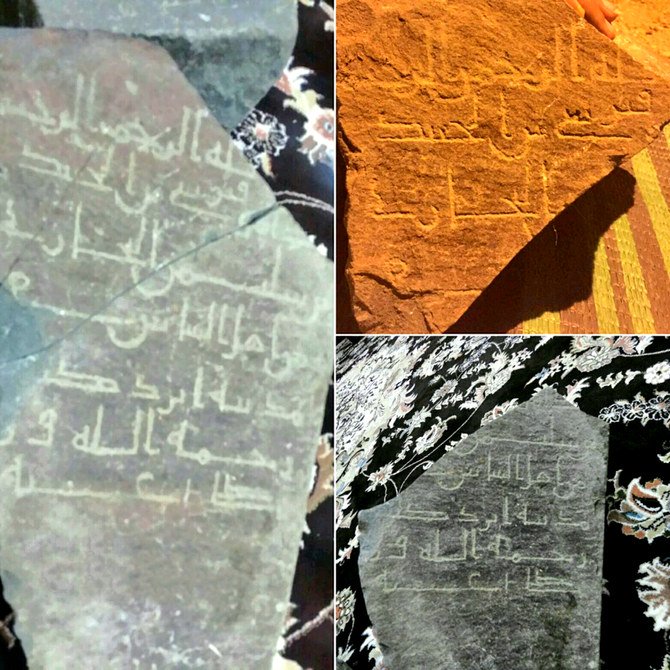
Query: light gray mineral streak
{"type": "Point", "coordinates": [166, 363]}
{"type": "Point", "coordinates": [492, 560]}
{"type": "Point", "coordinates": [232, 51]}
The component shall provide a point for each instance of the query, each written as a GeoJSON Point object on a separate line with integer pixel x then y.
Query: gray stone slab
{"type": "Point", "coordinates": [492, 560]}
{"type": "Point", "coordinates": [165, 354]}
{"type": "Point", "coordinates": [232, 51]}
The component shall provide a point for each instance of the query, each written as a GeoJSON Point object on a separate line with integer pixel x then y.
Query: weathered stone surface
{"type": "Point", "coordinates": [493, 558]}
{"type": "Point", "coordinates": [164, 359]}
{"type": "Point", "coordinates": [465, 131]}
{"type": "Point", "coordinates": [231, 51]}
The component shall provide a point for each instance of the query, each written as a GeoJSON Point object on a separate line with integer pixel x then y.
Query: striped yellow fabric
{"type": "Point", "coordinates": [608, 322]}
{"type": "Point", "coordinates": [636, 289]}
{"type": "Point", "coordinates": [631, 272]}
{"type": "Point", "coordinates": [549, 322]}
{"type": "Point", "coordinates": [650, 188]}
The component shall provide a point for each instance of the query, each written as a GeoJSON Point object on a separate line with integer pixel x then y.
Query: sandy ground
{"type": "Point", "coordinates": [643, 29]}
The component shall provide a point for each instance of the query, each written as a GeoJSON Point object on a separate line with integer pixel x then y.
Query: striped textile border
{"type": "Point", "coordinates": [631, 270]}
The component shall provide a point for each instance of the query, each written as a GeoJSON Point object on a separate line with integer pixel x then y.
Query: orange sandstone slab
{"type": "Point", "coordinates": [466, 126]}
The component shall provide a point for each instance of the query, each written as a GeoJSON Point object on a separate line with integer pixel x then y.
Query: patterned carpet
{"type": "Point", "coordinates": [404, 402]}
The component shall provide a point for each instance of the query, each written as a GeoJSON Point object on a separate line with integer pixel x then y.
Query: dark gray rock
{"type": "Point", "coordinates": [232, 51]}
{"type": "Point", "coordinates": [18, 14]}
{"type": "Point", "coordinates": [492, 560]}
{"type": "Point", "coordinates": [166, 345]}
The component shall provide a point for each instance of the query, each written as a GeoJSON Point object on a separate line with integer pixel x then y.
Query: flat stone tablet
{"type": "Point", "coordinates": [165, 354]}
{"type": "Point", "coordinates": [492, 560]}
{"type": "Point", "coordinates": [465, 131]}
{"type": "Point", "coordinates": [232, 51]}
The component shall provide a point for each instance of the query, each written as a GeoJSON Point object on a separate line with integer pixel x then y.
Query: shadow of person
{"type": "Point", "coordinates": [555, 269]}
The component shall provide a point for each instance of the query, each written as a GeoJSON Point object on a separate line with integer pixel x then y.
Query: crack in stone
{"type": "Point", "coordinates": [394, 289]}
{"type": "Point", "coordinates": [45, 220]}
{"type": "Point", "coordinates": [253, 219]}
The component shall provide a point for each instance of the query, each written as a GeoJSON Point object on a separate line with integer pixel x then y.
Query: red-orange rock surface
{"type": "Point", "coordinates": [466, 126]}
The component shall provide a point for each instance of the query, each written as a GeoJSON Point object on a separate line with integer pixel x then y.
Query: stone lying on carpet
{"type": "Point", "coordinates": [164, 363]}
{"type": "Point", "coordinates": [493, 558]}
{"type": "Point", "coordinates": [231, 51]}
{"type": "Point", "coordinates": [464, 132]}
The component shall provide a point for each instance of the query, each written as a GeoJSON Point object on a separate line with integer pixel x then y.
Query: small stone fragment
{"type": "Point", "coordinates": [493, 558]}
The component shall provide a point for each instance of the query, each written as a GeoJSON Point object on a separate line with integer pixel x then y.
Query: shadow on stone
{"type": "Point", "coordinates": [555, 269]}
{"type": "Point", "coordinates": [217, 67]}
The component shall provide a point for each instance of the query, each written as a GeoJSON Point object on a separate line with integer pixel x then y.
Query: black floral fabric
{"type": "Point", "coordinates": [290, 135]}
{"type": "Point", "coordinates": [290, 138]}
{"type": "Point", "coordinates": [308, 640]}
{"type": "Point", "coordinates": [403, 402]}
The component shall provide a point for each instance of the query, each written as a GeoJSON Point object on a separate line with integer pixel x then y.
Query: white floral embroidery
{"type": "Point", "coordinates": [260, 136]}
{"type": "Point", "coordinates": [430, 438]}
{"type": "Point", "coordinates": [380, 477]}
{"type": "Point", "coordinates": [654, 592]}
{"type": "Point", "coordinates": [639, 409]}
{"type": "Point", "coordinates": [657, 374]}
{"type": "Point", "coordinates": [374, 651]}
{"type": "Point", "coordinates": [499, 410]}
{"type": "Point", "coordinates": [344, 608]}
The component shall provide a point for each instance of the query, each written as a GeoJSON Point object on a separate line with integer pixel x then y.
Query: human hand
{"type": "Point", "coordinates": [599, 13]}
